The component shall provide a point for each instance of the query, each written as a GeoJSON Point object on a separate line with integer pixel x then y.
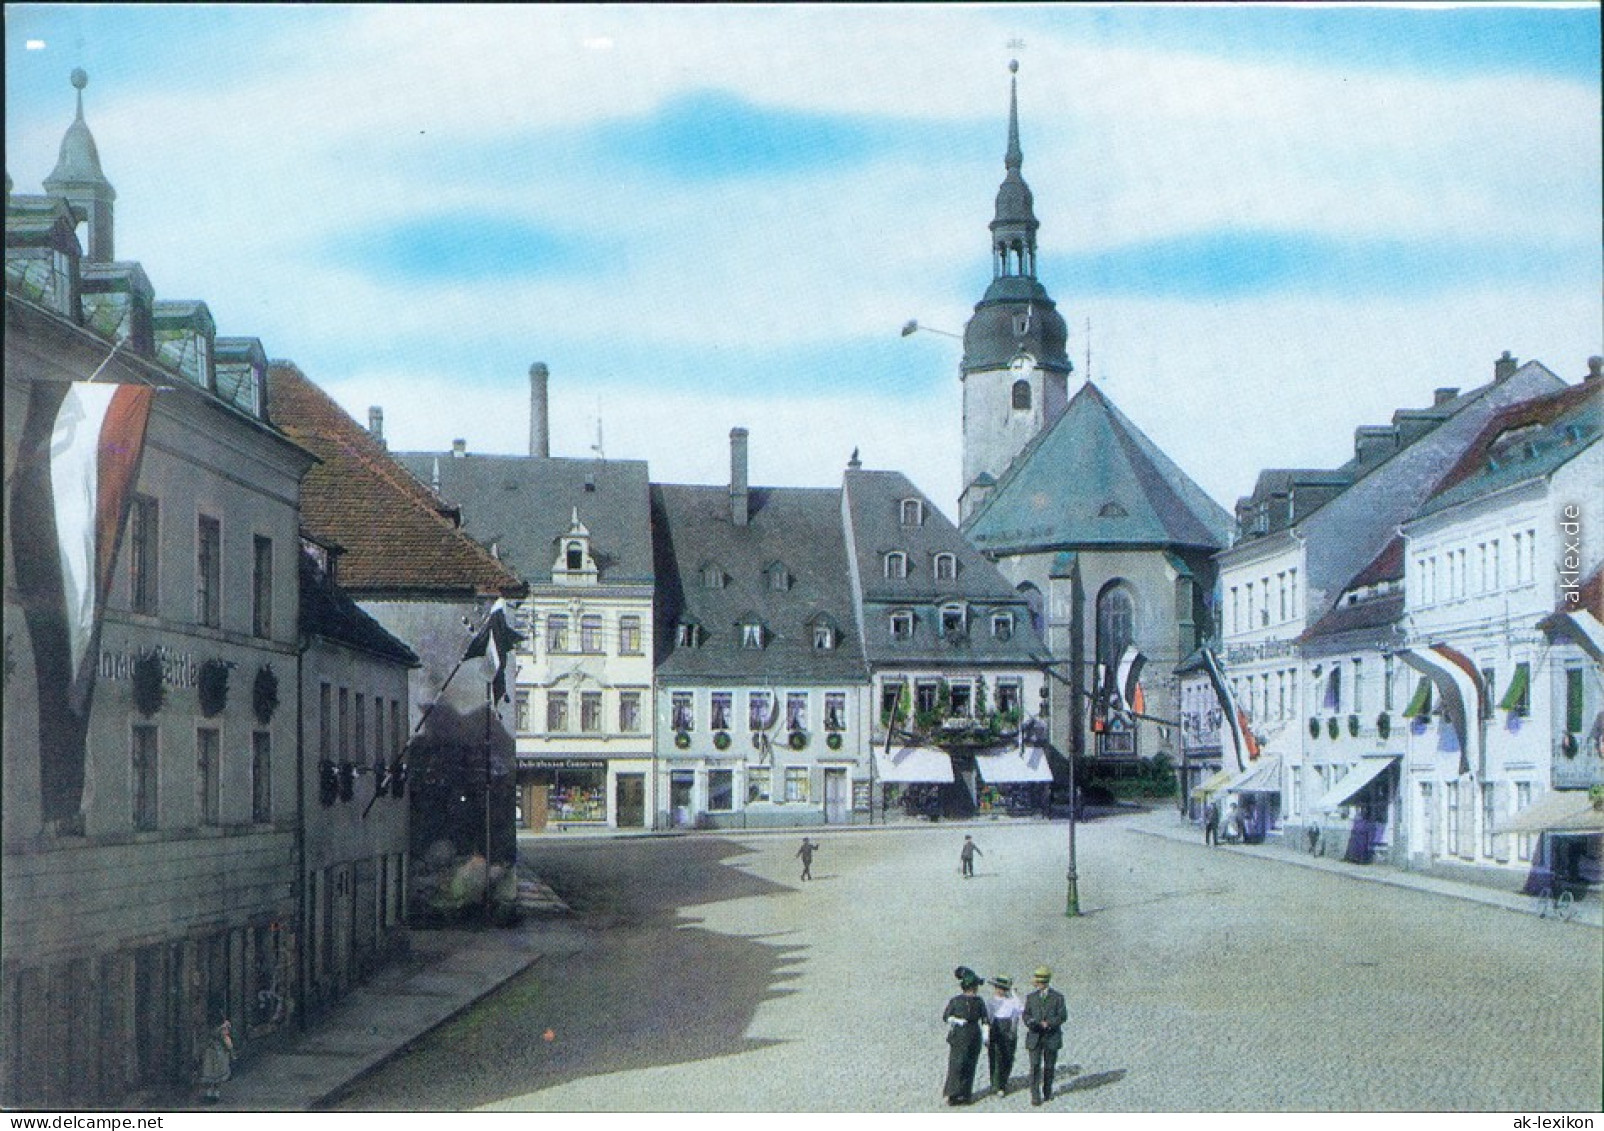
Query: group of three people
{"type": "Point", "coordinates": [970, 1018]}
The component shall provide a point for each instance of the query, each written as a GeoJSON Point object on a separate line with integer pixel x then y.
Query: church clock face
{"type": "Point", "coordinates": [1023, 362]}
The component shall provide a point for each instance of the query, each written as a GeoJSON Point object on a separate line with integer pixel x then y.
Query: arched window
{"type": "Point", "coordinates": [1116, 613]}
{"type": "Point", "coordinates": [946, 567]}
{"type": "Point", "coordinates": [576, 555]}
{"type": "Point", "coordinates": [913, 512]}
{"type": "Point", "coordinates": [1021, 396]}
{"type": "Point", "coordinates": [896, 565]}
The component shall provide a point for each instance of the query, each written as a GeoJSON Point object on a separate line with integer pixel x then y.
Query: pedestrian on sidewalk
{"type": "Point", "coordinates": [965, 1016]}
{"type": "Point", "coordinates": [1004, 1008]}
{"type": "Point", "coordinates": [806, 855]}
{"type": "Point", "coordinates": [1045, 1016]}
{"type": "Point", "coordinates": [1211, 823]}
{"type": "Point", "coordinates": [966, 857]}
{"type": "Point", "coordinates": [217, 1059]}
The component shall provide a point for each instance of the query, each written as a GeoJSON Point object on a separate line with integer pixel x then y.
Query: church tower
{"type": "Point", "coordinates": [1015, 368]}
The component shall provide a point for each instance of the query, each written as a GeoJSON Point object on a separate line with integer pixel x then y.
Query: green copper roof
{"type": "Point", "coordinates": [1093, 479]}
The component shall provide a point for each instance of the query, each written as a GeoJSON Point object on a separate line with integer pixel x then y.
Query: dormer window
{"type": "Point", "coordinates": [952, 619]}
{"type": "Point", "coordinates": [1112, 510]}
{"type": "Point", "coordinates": [1002, 626]}
{"type": "Point", "coordinates": [946, 567]}
{"type": "Point", "coordinates": [184, 335]}
{"type": "Point", "coordinates": [751, 634]}
{"type": "Point", "coordinates": [574, 564]}
{"type": "Point", "coordinates": [779, 579]}
{"type": "Point", "coordinates": [824, 637]}
{"type": "Point", "coordinates": [896, 564]}
{"type": "Point", "coordinates": [913, 512]}
{"type": "Point", "coordinates": [685, 634]}
{"type": "Point", "coordinates": [901, 623]}
{"type": "Point", "coordinates": [712, 576]}
{"type": "Point", "coordinates": [574, 555]}
{"type": "Point", "coordinates": [241, 365]}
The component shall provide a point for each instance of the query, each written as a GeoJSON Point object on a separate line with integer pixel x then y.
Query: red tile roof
{"type": "Point", "coordinates": [1538, 410]}
{"type": "Point", "coordinates": [395, 536]}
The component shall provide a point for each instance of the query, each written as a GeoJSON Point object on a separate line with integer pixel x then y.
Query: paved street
{"type": "Point", "coordinates": [699, 974]}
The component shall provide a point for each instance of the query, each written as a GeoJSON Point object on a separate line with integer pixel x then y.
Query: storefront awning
{"type": "Point", "coordinates": [1515, 697]}
{"type": "Point", "coordinates": [1368, 770]}
{"type": "Point", "coordinates": [1212, 784]}
{"type": "Point", "coordinates": [1009, 764]}
{"type": "Point", "coordinates": [1420, 703]}
{"type": "Point", "coordinates": [1263, 776]}
{"type": "Point", "coordinates": [1563, 811]}
{"type": "Point", "coordinates": [1579, 625]}
{"type": "Point", "coordinates": [914, 764]}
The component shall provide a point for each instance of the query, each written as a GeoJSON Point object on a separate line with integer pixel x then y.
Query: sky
{"type": "Point", "coordinates": [1264, 226]}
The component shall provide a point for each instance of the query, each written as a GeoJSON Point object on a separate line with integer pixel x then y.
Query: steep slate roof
{"type": "Point", "coordinates": [800, 528]}
{"type": "Point", "coordinates": [874, 507]}
{"type": "Point", "coordinates": [525, 504]}
{"type": "Point", "coordinates": [328, 611]}
{"type": "Point", "coordinates": [395, 539]}
{"type": "Point", "coordinates": [1552, 430]}
{"type": "Point", "coordinates": [1092, 456]}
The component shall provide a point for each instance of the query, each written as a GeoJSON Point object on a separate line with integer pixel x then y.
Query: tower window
{"type": "Point", "coordinates": [1021, 396]}
{"type": "Point", "coordinates": [1022, 324]}
{"type": "Point", "coordinates": [576, 556]}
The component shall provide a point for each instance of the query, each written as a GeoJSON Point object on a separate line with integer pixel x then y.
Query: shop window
{"type": "Point", "coordinates": [720, 791]}
{"type": "Point", "coordinates": [757, 784]}
{"type": "Point", "coordinates": [796, 784]}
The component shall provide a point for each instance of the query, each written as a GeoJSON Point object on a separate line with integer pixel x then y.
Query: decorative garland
{"type": "Point", "coordinates": [1314, 728]}
{"type": "Point", "coordinates": [682, 740]}
{"type": "Point", "coordinates": [212, 686]}
{"type": "Point", "coordinates": [1331, 726]}
{"type": "Point", "coordinates": [1353, 725]}
{"type": "Point", "coordinates": [264, 694]}
{"type": "Point", "coordinates": [798, 740]}
{"type": "Point", "coordinates": [1383, 724]}
{"type": "Point", "coordinates": [150, 691]}
{"type": "Point", "coordinates": [721, 740]}
{"type": "Point", "coordinates": [833, 741]}
{"type": "Point", "coordinates": [1568, 746]}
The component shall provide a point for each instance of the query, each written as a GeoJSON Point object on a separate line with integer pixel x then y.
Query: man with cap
{"type": "Point", "coordinates": [964, 1015]}
{"type": "Point", "coordinates": [1045, 1015]}
{"type": "Point", "coordinates": [1004, 1009]}
{"type": "Point", "coordinates": [966, 856]}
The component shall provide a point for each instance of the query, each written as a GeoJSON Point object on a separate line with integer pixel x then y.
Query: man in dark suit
{"type": "Point", "coordinates": [1045, 1016]}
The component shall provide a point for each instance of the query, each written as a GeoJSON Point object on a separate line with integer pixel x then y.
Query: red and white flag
{"type": "Point", "coordinates": [76, 467]}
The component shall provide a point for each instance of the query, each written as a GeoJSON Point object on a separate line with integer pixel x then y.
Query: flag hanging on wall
{"type": "Point", "coordinates": [1130, 675]}
{"type": "Point", "coordinates": [77, 463]}
{"type": "Point", "coordinates": [495, 642]}
{"type": "Point", "coordinates": [1242, 745]}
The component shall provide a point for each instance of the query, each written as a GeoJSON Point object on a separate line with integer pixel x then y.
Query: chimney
{"type": "Point", "coordinates": [539, 428]}
{"type": "Point", "coordinates": [1448, 393]}
{"type": "Point", "coordinates": [739, 511]}
{"type": "Point", "coordinates": [1505, 367]}
{"type": "Point", "coordinates": [1593, 365]}
{"type": "Point", "coordinates": [459, 449]}
{"type": "Point", "coordinates": [1373, 443]}
{"type": "Point", "coordinates": [376, 424]}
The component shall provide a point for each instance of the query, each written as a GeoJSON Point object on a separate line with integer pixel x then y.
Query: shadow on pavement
{"type": "Point", "coordinates": [640, 989]}
{"type": "Point", "coordinates": [1095, 1080]}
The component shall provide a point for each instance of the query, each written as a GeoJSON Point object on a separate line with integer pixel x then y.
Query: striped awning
{"type": "Point", "coordinates": [1263, 776]}
{"type": "Point", "coordinates": [1212, 784]}
{"type": "Point", "coordinates": [1008, 764]}
{"type": "Point", "coordinates": [1368, 770]}
{"type": "Point", "coordinates": [1563, 811]}
{"type": "Point", "coordinates": [914, 764]}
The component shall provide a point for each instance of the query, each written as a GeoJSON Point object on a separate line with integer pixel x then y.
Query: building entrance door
{"type": "Point", "coordinates": [835, 796]}
{"type": "Point", "coordinates": [1428, 821]}
{"type": "Point", "coordinates": [681, 784]}
{"type": "Point", "coordinates": [535, 801]}
{"type": "Point", "coordinates": [629, 802]}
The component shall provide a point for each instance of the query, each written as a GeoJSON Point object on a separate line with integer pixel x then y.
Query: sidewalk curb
{"type": "Point", "coordinates": [1513, 902]}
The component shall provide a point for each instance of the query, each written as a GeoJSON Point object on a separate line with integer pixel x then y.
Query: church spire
{"type": "Point", "coordinates": [1013, 231]}
{"type": "Point", "coordinates": [78, 179]}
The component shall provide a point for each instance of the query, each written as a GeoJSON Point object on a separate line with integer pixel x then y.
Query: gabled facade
{"type": "Point", "coordinates": [578, 533]}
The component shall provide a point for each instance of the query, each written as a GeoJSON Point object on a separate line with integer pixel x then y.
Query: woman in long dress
{"type": "Point", "coordinates": [964, 1015]}
{"type": "Point", "coordinates": [217, 1060]}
